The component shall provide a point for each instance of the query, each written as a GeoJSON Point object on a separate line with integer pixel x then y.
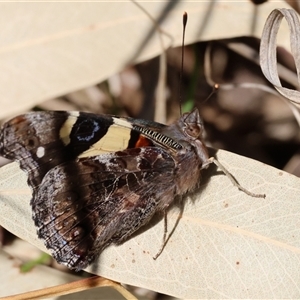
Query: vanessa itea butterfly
{"type": "Point", "coordinates": [96, 179]}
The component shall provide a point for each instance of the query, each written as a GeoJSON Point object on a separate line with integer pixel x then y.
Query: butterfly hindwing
{"type": "Point", "coordinates": [101, 200]}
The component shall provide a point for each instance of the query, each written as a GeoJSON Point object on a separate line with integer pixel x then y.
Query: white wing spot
{"type": "Point", "coordinates": [40, 152]}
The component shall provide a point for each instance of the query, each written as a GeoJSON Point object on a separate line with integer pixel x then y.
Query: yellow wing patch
{"type": "Point", "coordinates": [116, 139]}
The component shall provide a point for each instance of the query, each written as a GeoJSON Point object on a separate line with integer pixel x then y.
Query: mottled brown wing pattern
{"type": "Point", "coordinates": [43, 140]}
{"type": "Point", "coordinates": [96, 179]}
{"type": "Point", "coordinates": [101, 200]}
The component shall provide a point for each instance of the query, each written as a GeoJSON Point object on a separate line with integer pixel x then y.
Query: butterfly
{"type": "Point", "coordinates": [96, 179]}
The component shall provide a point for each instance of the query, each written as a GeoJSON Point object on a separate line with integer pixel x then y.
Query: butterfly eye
{"type": "Point", "coordinates": [193, 130]}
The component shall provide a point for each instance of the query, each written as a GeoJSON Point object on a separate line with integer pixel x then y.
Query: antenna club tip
{"type": "Point", "coordinates": [184, 18]}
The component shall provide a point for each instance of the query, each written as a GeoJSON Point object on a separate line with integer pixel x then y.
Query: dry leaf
{"type": "Point", "coordinates": [226, 245]}
{"type": "Point", "coordinates": [51, 48]}
{"type": "Point", "coordinates": [268, 59]}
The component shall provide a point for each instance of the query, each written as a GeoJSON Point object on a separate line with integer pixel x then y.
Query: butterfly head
{"type": "Point", "coordinates": [192, 124]}
{"type": "Point", "coordinates": [192, 130]}
{"type": "Point", "coordinates": [188, 132]}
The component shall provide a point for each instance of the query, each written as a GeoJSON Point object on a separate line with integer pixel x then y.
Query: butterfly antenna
{"type": "Point", "coordinates": [184, 19]}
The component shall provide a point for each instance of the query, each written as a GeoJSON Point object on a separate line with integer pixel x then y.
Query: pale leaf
{"type": "Point", "coordinates": [48, 49]}
{"type": "Point", "coordinates": [226, 245]}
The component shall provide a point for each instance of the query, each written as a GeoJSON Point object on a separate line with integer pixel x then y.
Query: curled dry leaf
{"type": "Point", "coordinates": [226, 245]}
{"type": "Point", "coordinates": [268, 58]}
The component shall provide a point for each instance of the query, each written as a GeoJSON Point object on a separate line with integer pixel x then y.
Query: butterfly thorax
{"type": "Point", "coordinates": [193, 155]}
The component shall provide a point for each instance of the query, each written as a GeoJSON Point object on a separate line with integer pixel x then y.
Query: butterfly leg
{"type": "Point", "coordinates": [165, 236]}
{"type": "Point", "coordinates": [231, 177]}
{"type": "Point", "coordinates": [165, 239]}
